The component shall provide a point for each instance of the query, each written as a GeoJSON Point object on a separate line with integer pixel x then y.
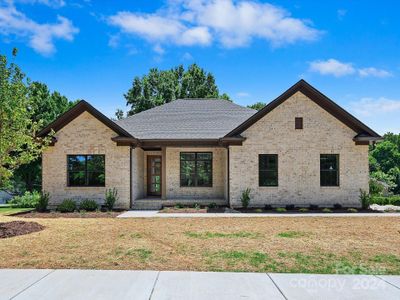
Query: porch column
{"type": "Point", "coordinates": [163, 172]}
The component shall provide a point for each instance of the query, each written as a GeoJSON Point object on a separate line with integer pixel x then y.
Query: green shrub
{"type": "Point", "coordinates": [196, 206]}
{"type": "Point", "coordinates": [179, 205]}
{"type": "Point", "coordinates": [245, 198]}
{"type": "Point", "coordinates": [41, 206]}
{"type": "Point", "coordinates": [27, 200]}
{"type": "Point", "coordinates": [111, 198]}
{"type": "Point", "coordinates": [388, 200]}
{"type": "Point", "coordinates": [303, 209]}
{"type": "Point", "coordinates": [68, 205]}
{"type": "Point", "coordinates": [212, 205]}
{"type": "Point", "coordinates": [327, 210]}
{"type": "Point", "coordinates": [364, 199]}
{"type": "Point", "coordinates": [258, 210]}
{"type": "Point", "coordinates": [88, 205]}
{"type": "Point", "coordinates": [280, 209]}
{"type": "Point", "coordinates": [352, 210]}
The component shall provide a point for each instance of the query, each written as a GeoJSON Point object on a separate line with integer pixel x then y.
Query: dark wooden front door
{"type": "Point", "coordinates": [154, 175]}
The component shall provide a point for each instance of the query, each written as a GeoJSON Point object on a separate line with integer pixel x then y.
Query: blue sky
{"type": "Point", "coordinates": [349, 50]}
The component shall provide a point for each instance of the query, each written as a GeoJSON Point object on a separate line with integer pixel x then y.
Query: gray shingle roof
{"type": "Point", "coordinates": [187, 119]}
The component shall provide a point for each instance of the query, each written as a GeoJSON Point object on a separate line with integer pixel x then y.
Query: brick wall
{"type": "Point", "coordinates": [299, 157]}
{"type": "Point", "coordinates": [86, 135]}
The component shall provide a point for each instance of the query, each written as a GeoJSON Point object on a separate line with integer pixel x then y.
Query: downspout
{"type": "Point", "coordinates": [229, 175]}
{"type": "Point", "coordinates": [130, 177]}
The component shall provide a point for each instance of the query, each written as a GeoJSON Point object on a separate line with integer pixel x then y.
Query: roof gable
{"type": "Point", "coordinates": [76, 111]}
{"type": "Point", "coordinates": [321, 100]}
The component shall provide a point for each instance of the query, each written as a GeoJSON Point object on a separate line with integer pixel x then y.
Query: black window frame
{"type": "Point", "coordinates": [298, 123]}
{"type": "Point", "coordinates": [266, 170]}
{"type": "Point", "coordinates": [86, 171]}
{"type": "Point", "coordinates": [337, 170]}
{"type": "Point", "coordinates": [196, 159]}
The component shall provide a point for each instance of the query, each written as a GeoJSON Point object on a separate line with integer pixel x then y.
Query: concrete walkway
{"type": "Point", "coordinates": [157, 214]}
{"type": "Point", "coordinates": [113, 284]}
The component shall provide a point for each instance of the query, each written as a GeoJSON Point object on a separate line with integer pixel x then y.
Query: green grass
{"type": "Point", "coordinates": [298, 262]}
{"type": "Point", "coordinates": [211, 235]}
{"type": "Point", "coordinates": [7, 210]}
{"type": "Point", "coordinates": [291, 234]}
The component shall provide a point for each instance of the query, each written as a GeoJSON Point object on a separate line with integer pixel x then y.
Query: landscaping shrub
{"type": "Point", "coordinates": [27, 200]}
{"type": "Point", "coordinates": [245, 198]}
{"type": "Point", "coordinates": [280, 209]}
{"type": "Point", "coordinates": [88, 205]}
{"type": "Point", "coordinates": [290, 207]}
{"type": "Point", "coordinates": [327, 210]}
{"type": "Point", "coordinates": [303, 209]}
{"type": "Point", "coordinates": [364, 199]}
{"type": "Point", "coordinates": [388, 200]}
{"type": "Point", "coordinates": [68, 205]}
{"type": "Point", "coordinates": [212, 205]}
{"type": "Point", "coordinates": [179, 205]}
{"type": "Point", "coordinates": [111, 198]}
{"type": "Point", "coordinates": [196, 206]}
{"type": "Point", "coordinates": [352, 210]}
{"type": "Point", "coordinates": [268, 207]}
{"type": "Point", "coordinates": [41, 205]}
{"type": "Point", "coordinates": [337, 206]}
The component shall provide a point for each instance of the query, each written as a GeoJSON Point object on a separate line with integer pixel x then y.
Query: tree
{"type": "Point", "coordinates": [385, 161]}
{"type": "Point", "coordinates": [257, 105]}
{"type": "Point", "coordinates": [18, 144]}
{"type": "Point", "coordinates": [160, 87]}
{"type": "Point", "coordinates": [46, 107]}
{"type": "Point", "coordinates": [119, 114]}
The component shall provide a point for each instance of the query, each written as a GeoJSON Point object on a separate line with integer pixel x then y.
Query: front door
{"type": "Point", "coordinates": [154, 175]}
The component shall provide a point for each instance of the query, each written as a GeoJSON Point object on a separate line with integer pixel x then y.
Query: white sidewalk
{"type": "Point", "coordinates": [114, 284]}
{"type": "Point", "coordinates": [157, 214]}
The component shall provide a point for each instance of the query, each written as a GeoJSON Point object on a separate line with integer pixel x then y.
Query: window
{"type": "Point", "coordinates": [196, 169]}
{"type": "Point", "coordinates": [86, 170]}
{"type": "Point", "coordinates": [298, 123]}
{"type": "Point", "coordinates": [329, 166]}
{"type": "Point", "coordinates": [268, 170]}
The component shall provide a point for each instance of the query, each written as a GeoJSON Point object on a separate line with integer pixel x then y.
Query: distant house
{"type": "Point", "coordinates": [300, 149]}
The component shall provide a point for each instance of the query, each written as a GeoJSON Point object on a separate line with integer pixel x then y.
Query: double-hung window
{"type": "Point", "coordinates": [329, 169]}
{"type": "Point", "coordinates": [268, 169]}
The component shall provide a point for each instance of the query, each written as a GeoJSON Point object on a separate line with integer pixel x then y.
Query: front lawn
{"type": "Point", "coordinates": [351, 245]}
{"type": "Point", "coordinates": [6, 210]}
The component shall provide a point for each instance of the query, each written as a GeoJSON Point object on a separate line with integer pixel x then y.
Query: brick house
{"type": "Point", "coordinates": [300, 149]}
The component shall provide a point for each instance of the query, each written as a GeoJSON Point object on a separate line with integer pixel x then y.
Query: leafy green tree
{"type": "Point", "coordinates": [385, 161]}
{"type": "Point", "coordinates": [119, 114]}
{"type": "Point", "coordinates": [18, 144]}
{"type": "Point", "coordinates": [257, 105]}
{"type": "Point", "coordinates": [45, 108]}
{"type": "Point", "coordinates": [162, 86]}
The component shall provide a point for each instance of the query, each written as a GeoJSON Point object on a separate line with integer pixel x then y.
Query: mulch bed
{"type": "Point", "coordinates": [54, 214]}
{"type": "Point", "coordinates": [15, 228]}
{"type": "Point", "coordinates": [172, 210]}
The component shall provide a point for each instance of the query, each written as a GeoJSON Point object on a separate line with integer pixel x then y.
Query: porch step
{"type": "Point", "coordinates": [147, 205]}
{"type": "Point", "coordinates": [156, 204]}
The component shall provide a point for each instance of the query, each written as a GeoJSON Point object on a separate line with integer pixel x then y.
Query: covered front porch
{"type": "Point", "coordinates": [167, 175]}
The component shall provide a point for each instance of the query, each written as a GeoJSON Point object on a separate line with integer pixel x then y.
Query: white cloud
{"type": "Point", "coordinates": [50, 3]}
{"type": "Point", "coordinates": [40, 36]}
{"type": "Point", "coordinates": [243, 94]}
{"type": "Point", "coordinates": [373, 72]}
{"type": "Point", "coordinates": [373, 106]}
{"type": "Point", "coordinates": [227, 22]}
{"type": "Point", "coordinates": [341, 13]}
{"type": "Point", "coordinates": [338, 69]}
{"type": "Point", "coordinates": [158, 49]}
{"type": "Point", "coordinates": [187, 56]}
{"type": "Point", "coordinates": [332, 67]}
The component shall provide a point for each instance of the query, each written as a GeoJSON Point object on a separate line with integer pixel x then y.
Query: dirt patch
{"type": "Point", "coordinates": [14, 228]}
{"type": "Point", "coordinates": [53, 215]}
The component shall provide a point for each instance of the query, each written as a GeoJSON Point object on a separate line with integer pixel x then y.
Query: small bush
{"type": "Point", "coordinates": [268, 207]}
{"type": "Point", "coordinates": [179, 205]}
{"type": "Point", "coordinates": [212, 205]}
{"type": "Point", "coordinates": [41, 206]}
{"type": "Point", "coordinates": [389, 200]}
{"type": "Point", "coordinates": [303, 209]}
{"type": "Point", "coordinates": [111, 198]}
{"type": "Point", "coordinates": [280, 209]}
{"type": "Point", "coordinates": [290, 207]}
{"type": "Point", "coordinates": [258, 210]}
{"type": "Point", "coordinates": [196, 206]}
{"type": "Point", "coordinates": [364, 199]}
{"type": "Point", "coordinates": [313, 207]}
{"type": "Point", "coordinates": [327, 210]}
{"type": "Point", "coordinates": [337, 206]}
{"type": "Point", "coordinates": [352, 210]}
{"type": "Point", "coordinates": [245, 198]}
{"type": "Point", "coordinates": [27, 200]}
{"type": "Point", "coordinates": [68, 205]}
{"type": "Point", "coordinates": [88, 205]}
